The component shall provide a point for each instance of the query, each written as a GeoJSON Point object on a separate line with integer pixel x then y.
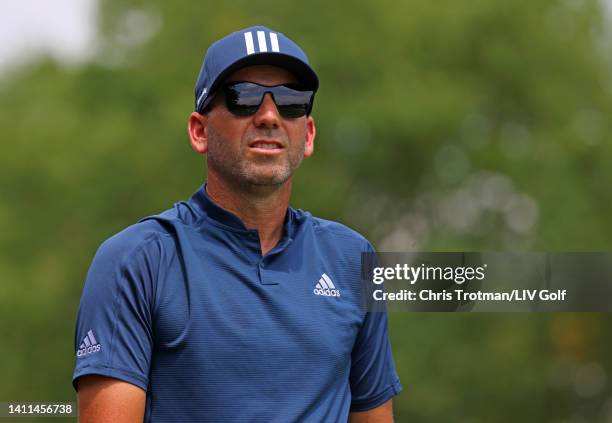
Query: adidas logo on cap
{"type": "Point", "coordinates": [326, 287]}
{"type": "Point", "coordinates": [89, 345]}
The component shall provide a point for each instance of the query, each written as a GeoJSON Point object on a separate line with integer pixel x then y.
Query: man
{"type": "Point", "coordinates": [232, 306]}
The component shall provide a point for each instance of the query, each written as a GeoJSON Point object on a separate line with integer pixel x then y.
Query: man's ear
{"type": "Point", "coordinates": [311, 131]}
{"type": "Point", "coordinates": [197, 128]}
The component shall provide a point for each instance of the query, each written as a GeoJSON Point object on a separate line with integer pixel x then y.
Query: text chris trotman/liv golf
{"type": "Point", "coordinates": [457, 274]}
{"type": "Point", "coordinates": [463, 296]}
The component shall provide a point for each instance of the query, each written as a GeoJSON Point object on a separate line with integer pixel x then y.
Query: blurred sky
{"type": "Point", "coordinates": [63, 28]}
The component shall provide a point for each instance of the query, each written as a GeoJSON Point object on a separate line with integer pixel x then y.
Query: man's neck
{"type": "Point", "coordinates": [263, 209]}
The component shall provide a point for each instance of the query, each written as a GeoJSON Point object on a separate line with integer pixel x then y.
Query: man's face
{"type": "Point", "coordinates": [259, 150]}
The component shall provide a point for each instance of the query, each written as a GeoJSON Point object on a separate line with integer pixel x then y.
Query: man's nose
{"type": "Point", "coordinates": [267, 115]}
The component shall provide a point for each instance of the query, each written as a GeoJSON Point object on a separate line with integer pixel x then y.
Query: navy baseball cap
{"type": "Point", "coordinates": [256, 45]}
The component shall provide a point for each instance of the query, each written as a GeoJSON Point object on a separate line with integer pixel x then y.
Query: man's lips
{"type": "Point", "coordinates": [266, 146]}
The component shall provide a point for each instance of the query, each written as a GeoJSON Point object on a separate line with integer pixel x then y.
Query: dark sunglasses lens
{"type": "Point", "coordinates": [244, 98]}
{"type": "Point", "coordinates": [293, 110]}
{"type": "Point", "coordinates": [291, 103]}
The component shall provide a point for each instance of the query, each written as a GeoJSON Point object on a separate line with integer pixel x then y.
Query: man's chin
{"type": "Point", "coordinates": [257, 177]}
{"type": "Point", "coordinates": [267, 180]}
{"type": "Point", "coordinates": [272, 177]}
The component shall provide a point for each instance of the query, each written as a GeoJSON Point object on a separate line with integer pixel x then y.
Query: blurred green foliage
{"type": "Point", "coordinates": [448, 125]}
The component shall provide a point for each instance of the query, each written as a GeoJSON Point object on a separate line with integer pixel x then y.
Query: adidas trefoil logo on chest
{"type": "Point", "coordinates": [326, 287]}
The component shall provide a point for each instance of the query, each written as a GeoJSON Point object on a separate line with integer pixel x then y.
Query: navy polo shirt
{"type": "Point", "coordinates": [184, 305]}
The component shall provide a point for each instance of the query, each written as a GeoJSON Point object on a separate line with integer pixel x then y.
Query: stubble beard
{"type": "Point", "coordinates": [238, 170]}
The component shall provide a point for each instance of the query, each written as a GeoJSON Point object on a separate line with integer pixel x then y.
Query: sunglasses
{"type": "Point", "coordinates": [244, 99]}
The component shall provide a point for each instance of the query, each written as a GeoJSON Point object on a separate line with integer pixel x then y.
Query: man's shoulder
{"type": "Point", "coordinates": [146, 234]}
{"type": "Point", "coordinates": [333, 229]}
{"type": "Point", "coordinates": [127, 242]}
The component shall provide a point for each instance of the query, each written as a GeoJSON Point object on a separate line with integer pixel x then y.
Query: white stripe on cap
{"type": "Point", "coordinates": [261, 37]}
{"type": "Point", "coordinates": [248, 39]}
{"type": "Point", "coordinates": [274, 42]}
{"type": "Point", "coordinates": [200, 97]}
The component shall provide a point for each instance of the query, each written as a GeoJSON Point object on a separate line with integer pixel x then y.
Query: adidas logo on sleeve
{"type": "Point", "coordinates": [326, 287]}
{"type": "Point", "coordinates": [89, 345]}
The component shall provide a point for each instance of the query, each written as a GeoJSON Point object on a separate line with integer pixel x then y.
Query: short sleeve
{"type": "Point", "coordinates": [114, 323]}
{"type": "Point", "coordinates": [373, 377]}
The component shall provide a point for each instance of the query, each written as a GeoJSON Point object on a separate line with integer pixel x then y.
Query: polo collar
{"type": "Point", "coordinates": [210, 209]}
